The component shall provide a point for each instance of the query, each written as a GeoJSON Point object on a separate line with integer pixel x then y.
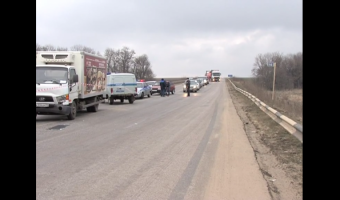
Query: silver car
{"type": "Point", "coordinates": [194, 86]}
{"type": "Point", "coordinates": [143, 89]}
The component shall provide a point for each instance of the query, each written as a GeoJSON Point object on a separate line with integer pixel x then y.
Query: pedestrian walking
{"type": "Point", "coordinates": [187, 84]}
{"type": "Point", "coordinates": [162, 84]}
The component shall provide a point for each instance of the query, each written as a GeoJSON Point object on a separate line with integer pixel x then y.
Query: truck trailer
{"type": "Point", "coordinates": [69, 81]}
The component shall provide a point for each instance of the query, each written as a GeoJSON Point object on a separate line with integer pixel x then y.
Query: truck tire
{"type": "Point", "coordinates": [131, 99]}
{"type": "Point", "coordinates": [93, 108]}
{"type": "Point", "coordinates": [122, 100]}
{"type": "Point", "coordinates": [73, 112]}
{"type": "Point", "coordinates": [173, 92]}
{"type": "Point", "coordinates": [111, 100]}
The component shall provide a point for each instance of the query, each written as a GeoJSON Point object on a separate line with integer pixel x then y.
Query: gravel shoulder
{"type": "Point", "coordinates": [278, 153]}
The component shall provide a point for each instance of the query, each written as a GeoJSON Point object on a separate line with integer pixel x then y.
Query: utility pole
{"type": "Point", "coordinates": [274, 81]}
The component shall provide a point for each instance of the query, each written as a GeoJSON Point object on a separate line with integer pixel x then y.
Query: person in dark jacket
{"type": "Point", "coordinates": [162, 84]}
{"type": "Point", "coordinates": [187, 84]}
{"type": "Point", "coordinates": [167, 88]}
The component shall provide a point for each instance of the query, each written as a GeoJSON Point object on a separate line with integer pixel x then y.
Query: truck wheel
{"type": "Point", "coordinates": [122, 100]}
{"type": "Point", "coordinates": [93, 108]}
{"type": "Point", "coordinates": [73, 112]}
{"type": "Point", "coordinates": [173, 92]}
{"type": "Point", "coordinates": [111, 100]}
{"type": "Point", "coordinates": [131, 99]}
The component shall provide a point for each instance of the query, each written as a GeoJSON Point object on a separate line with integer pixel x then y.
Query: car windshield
{"type": "Point", "coordinates": [156, 83]}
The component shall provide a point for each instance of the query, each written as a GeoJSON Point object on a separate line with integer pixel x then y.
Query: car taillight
{"type": "Point", "coordinates": [111, 90]}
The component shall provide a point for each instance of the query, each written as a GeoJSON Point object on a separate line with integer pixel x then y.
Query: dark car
{"type": "Point", "coordinates": [172, 88]}
{"type": "Point", "coordinates": [156, 88]}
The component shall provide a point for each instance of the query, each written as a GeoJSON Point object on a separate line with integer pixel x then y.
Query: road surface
{"type": "Point", "coordinates": [174, 148]}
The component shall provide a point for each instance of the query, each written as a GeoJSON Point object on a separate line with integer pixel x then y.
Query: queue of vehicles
{"type": "Point", "coordinates": [69, 81]}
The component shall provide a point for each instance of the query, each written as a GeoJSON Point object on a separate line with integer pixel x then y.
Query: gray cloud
{"type": "Point", "coordinates": [181, 38]}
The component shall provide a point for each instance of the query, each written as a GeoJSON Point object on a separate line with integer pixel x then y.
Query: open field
{"type": "Point", "coordinates": [278, 153]}
{"type": "Point", "coordinates": [287, 102]}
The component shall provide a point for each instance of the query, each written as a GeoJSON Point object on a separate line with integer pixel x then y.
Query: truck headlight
{"type": "Point", "coordinates": [62, 99]}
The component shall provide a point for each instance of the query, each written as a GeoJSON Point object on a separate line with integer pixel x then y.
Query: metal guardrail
{"type": "Point", "coordinates": [290, 125]}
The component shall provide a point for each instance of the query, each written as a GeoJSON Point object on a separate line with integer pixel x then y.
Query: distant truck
{"type": "Point", "coordinates": [213, 75]}
{"type": "Point", "coordinates": [69, 81]}
{"type": "Point", "coordinates": [208, 75]}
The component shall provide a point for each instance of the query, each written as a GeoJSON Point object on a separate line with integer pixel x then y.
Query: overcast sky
{"type": "Point", "coordinates": [180, 37]}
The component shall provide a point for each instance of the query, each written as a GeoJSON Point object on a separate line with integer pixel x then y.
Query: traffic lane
{"type": "Point", "coordinates": [140, 146]}
{"type": "Point", "coordinates": [174, 150]}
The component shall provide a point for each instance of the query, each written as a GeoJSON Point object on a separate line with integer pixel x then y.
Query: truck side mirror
{"type": "Point", "coordinates": [75, 78]}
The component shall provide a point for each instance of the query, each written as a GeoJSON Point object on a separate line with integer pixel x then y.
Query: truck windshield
{"type": "Point", "coordinates": [216, 74]}
{"type": "Point", "coordinates": [50, 75]}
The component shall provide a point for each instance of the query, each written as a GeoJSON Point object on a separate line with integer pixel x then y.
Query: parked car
{"type": "Point", "coordinates": [204, 80]}
{"type": "Point", "coordinates": [143, 89]}
{"type": "Point", "coordinates": [156, 88]}
{"type": "Point", "coordinates": [194, 86]}
{"type": "Point", "coordinates": [172, 87]}
{"type": "Point", "coordinates": [200, 82]}
{"type": "Point", "coordinates": [151, 83]}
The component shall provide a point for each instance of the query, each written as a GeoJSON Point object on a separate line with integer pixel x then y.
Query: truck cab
{"type": "Point", "coordinates": [68, 81]}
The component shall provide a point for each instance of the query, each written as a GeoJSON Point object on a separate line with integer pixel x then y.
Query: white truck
{"type": "Point", "coordinates": [120, 86]}
{"type": "Point", "coordinates": [215, 75]}
{"type": "Point", "coordinates": [69, 81]}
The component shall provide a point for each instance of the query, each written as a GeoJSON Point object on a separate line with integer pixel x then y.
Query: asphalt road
{"type": "Point", "coordinates": [174, 147]}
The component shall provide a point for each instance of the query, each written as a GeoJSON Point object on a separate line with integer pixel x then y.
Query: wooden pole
{"type": "Point", "coordinates": [274, 81]}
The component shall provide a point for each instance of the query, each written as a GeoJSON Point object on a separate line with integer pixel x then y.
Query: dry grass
{"type": "Point", "coordinates": [287, 102]}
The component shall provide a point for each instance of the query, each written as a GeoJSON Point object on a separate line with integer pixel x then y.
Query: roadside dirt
{"type": "Point", "coordinates": [278, 153]}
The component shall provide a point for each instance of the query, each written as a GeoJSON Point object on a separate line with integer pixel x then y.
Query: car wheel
{"type": "Point", "coordinates": [142, 95]}
{"type": "Point", "coordinates": [173, 92]}
{"type": "Point", "coordinates": [149, 95]}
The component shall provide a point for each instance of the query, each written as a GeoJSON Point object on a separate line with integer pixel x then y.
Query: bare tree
{"type": "Point", "coordinates": [113, 59]}
{"type": "Point", "coordinates": [288, 74]}
{"type": "Point", "coordinates": [38, 47]}
{"type": "Point", "coordinates": [48, 47]}
{"type": "Point", "coordinates": [98, 53]}
{"type": "Point", "coordinates": [61, 48]}
{"type": "Point", "coordinates": [142, 68]}
{"type": "Point", "coordinates": [125, 56]}
{"type": "Point", "coordinates": [83, 48]}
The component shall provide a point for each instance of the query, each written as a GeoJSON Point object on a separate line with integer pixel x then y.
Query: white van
{"type": "Point", "coordinates": [120, 86]}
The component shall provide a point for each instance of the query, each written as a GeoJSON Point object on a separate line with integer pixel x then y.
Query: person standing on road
{"type": "Point", "coordinates": [167, 87]}
{"type": "Point", "coordinates": [187, 84]}
{"type": "Point", "coordinates": [162, 84]}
